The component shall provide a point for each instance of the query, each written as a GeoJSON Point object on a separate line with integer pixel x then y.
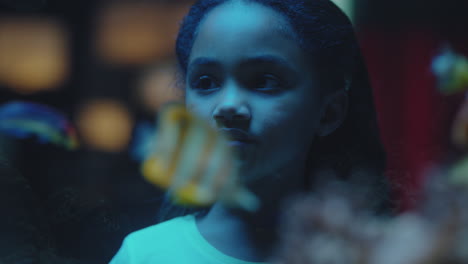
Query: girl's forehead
{"type": "Point", "coordinates": [238, 17]}
{"type": "Point", "coordinates": [238, 30]}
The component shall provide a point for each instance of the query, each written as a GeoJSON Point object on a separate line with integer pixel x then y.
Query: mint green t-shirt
{"type": "Point", "coordinates": [176, 241]}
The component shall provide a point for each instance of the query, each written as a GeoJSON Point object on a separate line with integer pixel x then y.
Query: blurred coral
{"type": "Point", "coordinates": [334, 228]}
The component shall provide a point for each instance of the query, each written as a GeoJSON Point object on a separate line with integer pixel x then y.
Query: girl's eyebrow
{"type": "Point", "coordinates": [266, 59]}
{"type": "Point", "coordinates": [203, 61]}
{"type": "Point", "coordinates": [260, 59]}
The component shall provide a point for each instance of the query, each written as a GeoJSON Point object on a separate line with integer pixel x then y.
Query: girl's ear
{"type": "Point", "coordinates": [333, 112]}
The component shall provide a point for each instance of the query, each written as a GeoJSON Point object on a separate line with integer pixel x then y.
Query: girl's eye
{"type": "Point", "coordinates": [266, 82]}
{"type": "Point", "coordinates": [205, 83]}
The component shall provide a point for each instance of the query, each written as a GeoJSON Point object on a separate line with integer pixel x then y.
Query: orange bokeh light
{"type": "Point", "coordinates": [33, 54]}
{"type": "Point", "coordinates": [105, 125]}
{"type": "Point", "coordinates": [137, 33]}
{"type": "Point", "coordinates": [157, 87]}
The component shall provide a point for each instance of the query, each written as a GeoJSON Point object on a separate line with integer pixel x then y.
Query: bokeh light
{"type": "Point", "coordinates": [137, 33]}
{"type": "Point", "coordinates": [33, 54]}
{"type": "Point", "coordinates": [105, 125]}
{"type": "Point", "coordinates": [157, 87]}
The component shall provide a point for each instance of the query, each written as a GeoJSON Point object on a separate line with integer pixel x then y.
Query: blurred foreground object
{"type": "Point", "coordinates": [451, 71]}
{"type": "Point", "coordinates": [194, 162]}
{"type": "Point", "coordinates": [333, 228]}
{"type": "Point", "coordinates": [105, 125]}
{"type": "Point", "coordinates": [23, 119]}
{"type": "Point", "coordinates": [33, 54]}
{"type": "Point", "coordinates": [133, 33]}
{"type": "Point", "coordinates": [460, 127]}
{"type": "Point", "coordinates": [328, 229]}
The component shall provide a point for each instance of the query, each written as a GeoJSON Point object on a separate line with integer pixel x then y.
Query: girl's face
{"type": "Point", "coordinates": [248, 76]}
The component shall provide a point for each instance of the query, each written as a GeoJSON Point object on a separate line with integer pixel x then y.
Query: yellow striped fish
{"type": "Point", "coordinates": [194, 163]}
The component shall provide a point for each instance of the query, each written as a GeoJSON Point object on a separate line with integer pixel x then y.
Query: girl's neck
{"type": "Point", "coordinates": [235, 234]}
{"type": "Point", "coordinates": [251, 236]}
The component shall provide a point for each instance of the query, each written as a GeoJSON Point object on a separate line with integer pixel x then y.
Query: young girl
{"type": "Point", "coordinates": [286, 80]}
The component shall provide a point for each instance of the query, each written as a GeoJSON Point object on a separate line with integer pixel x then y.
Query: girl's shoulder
{"type": "Point", "coordinates": [161, 231]}
{"type": "Point", "coordinates": [158, 243]}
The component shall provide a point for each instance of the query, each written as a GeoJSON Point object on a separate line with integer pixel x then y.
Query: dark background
{"type": "Point", "coordinates": [78, 206]}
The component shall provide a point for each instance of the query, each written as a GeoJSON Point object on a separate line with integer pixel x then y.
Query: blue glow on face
{"type": "Point", "coordinates": [246, 72]}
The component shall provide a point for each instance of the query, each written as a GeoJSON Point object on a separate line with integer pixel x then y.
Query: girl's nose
{"type": "Point", "coordinates": [232, 105]}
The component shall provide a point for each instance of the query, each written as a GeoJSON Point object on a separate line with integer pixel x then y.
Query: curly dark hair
{"type": "Point", "coordinates": [353, 152]}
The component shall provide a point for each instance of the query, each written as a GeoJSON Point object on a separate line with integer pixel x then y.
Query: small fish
{"type": "Point", "coordinates": [451, 71]}
{"type": "Point", "coordinates": [194, 162]}
{"type": "Point", "coordinates": [26, 119]}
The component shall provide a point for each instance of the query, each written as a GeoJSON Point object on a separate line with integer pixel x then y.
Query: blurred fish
{"type": "Point", "coordinates": [451, 71]}
{"type": "Point", "coordinates": [194, 163]}
{"type": "Point", "coordinates": [25, 119]}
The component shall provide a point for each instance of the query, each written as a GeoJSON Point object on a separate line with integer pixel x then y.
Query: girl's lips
{"type": "Point", "coordinates": [238, 135]}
